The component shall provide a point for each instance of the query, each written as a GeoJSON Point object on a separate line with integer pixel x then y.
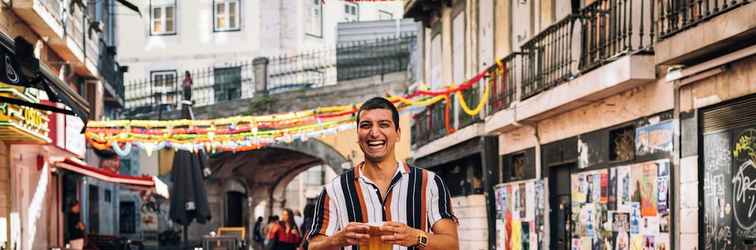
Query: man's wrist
{"type": "Point", "coordinates": [421, 239]}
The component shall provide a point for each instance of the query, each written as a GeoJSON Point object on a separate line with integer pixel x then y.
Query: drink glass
{"type": "Point", "coordinates": [375, 242]}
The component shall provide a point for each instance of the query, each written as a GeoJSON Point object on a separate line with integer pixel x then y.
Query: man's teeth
{"type": "Point", "coordinates": [375, 143]}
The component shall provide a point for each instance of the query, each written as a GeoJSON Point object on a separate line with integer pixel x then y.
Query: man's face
{"type": "Point", "coordinates": [377, 134]}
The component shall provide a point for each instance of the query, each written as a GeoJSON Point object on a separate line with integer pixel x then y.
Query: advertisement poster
{"type": "Point", "coordinates": [597, 186]}
{"type": "Point", "coordinates": [519, 214]}
{"type": "Point", "coordinates": [604, 187]}
{"type": "Point", "coordinates": [623, 241]}
{"type": "Point", "coordinates": [578, 189]}
{"type": "Point", "coordinates": [634, 218]}
{"type": "Point", "coordinates": [648, 190]}
{"type": "Point", "coordinates": [654, 138]}
{"type": "Point", "coordinates": [612, 189]}
{"type": "Point", "coordinates": [621, 222]}
{"type": "Point", "coordinates": [623, 189]}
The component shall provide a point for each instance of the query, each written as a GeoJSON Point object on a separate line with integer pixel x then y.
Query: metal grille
{"type": "Point", "coordinates": [674, 16]}
{"type": "Point", "coordinates": [737, 114]}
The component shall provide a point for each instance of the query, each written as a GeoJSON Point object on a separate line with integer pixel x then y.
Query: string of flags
{"type": "Point", "coordinates": [243, 133]}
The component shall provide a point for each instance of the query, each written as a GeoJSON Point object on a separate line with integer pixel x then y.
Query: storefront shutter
{"type": "Point", "coordinates": [736, 114]}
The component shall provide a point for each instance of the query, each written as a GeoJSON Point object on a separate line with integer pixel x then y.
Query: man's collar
{"type": "Point", "coordinates": [402, 168]}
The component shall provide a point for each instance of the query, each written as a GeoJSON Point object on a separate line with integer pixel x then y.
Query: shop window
{"type": "Point", "coordinates": [227, 84]}
{"type": "Point", "coordinates": [93, 224]}
{"type": "Point", "coordinates": [164, 86]}
{"type": "Point", "coordinates": [127, 217]}
{"type": "Point", "coordinates": [463, 177]}
{"type": "Point", "coordinates": [226, 15]}
{"type": "Point", "coordinates": [622, 144]}
{"type": "Point", "coordinates": [163, 17]}
{"type": "Point", "coordinates": [315, 19]}
{"type": "Point", "coordinates": [518, 166]}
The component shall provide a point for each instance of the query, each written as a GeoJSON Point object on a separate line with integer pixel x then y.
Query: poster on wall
{"type": "Point", "coordinates": [655, 138]}
{"type": "Point", "coordinates": [520, 215]}
{"type": "Point", "coordinates": [640, 217]}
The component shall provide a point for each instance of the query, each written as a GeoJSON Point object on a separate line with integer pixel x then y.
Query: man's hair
{"type": "Point", "coordinates": [379, 103]}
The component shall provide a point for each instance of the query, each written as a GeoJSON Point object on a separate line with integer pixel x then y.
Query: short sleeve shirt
{"type": "Point", "coordinates": [416, 197]}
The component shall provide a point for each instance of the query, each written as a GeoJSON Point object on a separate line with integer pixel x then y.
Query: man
{"type": "Point", "coordinates": [414, 203]}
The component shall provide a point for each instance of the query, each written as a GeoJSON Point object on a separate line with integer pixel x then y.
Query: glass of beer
{"type": "Point", "coordinates": [375, 242]}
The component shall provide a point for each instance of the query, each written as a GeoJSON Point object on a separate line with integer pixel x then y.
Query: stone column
{"type": "Point", "coordinates": [260, 66]}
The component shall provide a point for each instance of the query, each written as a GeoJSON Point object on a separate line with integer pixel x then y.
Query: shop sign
{"type": "Point", "coordinates": [21, 122]}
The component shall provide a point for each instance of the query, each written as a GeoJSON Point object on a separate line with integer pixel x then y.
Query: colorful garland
{"type": "Point", "coordinates": [242, 133]}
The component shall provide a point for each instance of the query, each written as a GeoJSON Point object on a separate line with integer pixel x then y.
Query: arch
{"type": "Point", "coordinates": [318, 149]}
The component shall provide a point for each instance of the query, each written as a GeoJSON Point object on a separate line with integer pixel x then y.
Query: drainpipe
{"type": "Point", "coordinates": [675, 163]}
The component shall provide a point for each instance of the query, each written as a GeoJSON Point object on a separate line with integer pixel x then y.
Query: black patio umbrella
{"type": "Point", "coordinates": [188, 194]}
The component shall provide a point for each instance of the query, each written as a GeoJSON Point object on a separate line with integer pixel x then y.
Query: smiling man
{"type": "Point", "coordinates": [412, 205]}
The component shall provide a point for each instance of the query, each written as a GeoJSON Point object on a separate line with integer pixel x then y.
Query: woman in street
{"type": "Point", "coordinates": [75, 226]}
{"type": "Point", "coordinates": [285, 235]}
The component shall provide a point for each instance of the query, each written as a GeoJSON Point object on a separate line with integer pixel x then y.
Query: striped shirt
{"type": "Point", "coordinates": [416, 197]}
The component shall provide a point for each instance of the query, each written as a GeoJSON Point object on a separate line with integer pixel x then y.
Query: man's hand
{"type": "Point", "coordinates": [352, 234]}
{"type": "Point", "coordinates": [400, 234]}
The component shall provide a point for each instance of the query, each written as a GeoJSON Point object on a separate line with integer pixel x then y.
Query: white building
{"type": "Point", "coordinates": [172, 36]}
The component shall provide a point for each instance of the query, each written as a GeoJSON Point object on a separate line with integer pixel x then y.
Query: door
{"type": "Point", "coordinates": [560, 206]}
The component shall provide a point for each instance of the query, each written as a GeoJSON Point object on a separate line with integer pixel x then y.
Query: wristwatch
{"type": "Point", "coordinates": [422, 240]}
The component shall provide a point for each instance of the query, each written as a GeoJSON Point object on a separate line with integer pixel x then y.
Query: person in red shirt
{"type": "Point", "coordinates": [285, 234]}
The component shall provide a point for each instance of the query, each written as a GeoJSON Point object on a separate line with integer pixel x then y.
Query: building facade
{"type": "Point", "coordinates": [620, 124]}
{"type": "Point", "coordinates": [59, 56]}
{"type": "Point", "coordinates": [217, 40]}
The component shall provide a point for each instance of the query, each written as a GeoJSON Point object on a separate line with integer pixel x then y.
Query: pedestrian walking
{"type": "Point", "coordinates": [75, 226]}
{"type": "Point", "coordinates": [285, 235]}
{"type": "Point", "coordinates": [187, 86]}
{"type": "Point", "coordinates": [257, 234]}
{"type": "Point", "coordinates": [309, 213]}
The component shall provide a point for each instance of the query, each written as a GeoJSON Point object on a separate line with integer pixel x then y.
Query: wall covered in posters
{"type": "Point", "coordinates": [624, 207]}
{"type": "Point", "coordinates": [520, 215]}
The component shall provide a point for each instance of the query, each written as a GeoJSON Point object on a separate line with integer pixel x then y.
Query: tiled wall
{"type": "Point", "coordinates": [473, 225]}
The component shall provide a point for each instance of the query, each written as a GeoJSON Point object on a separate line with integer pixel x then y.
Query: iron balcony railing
{"type": "Point", "coordinates": [349, 61]}
{"type": "Point", "coordinates": [548, 59]}
{"type": "Point", "coordinates": [600, 33]}
{"type": "Point", "coordinates": [472, 98]}
{"type": "Point", "coordinates": [673, 16]}
{"type": "Point", "coordinates": [504, 82]}
{"type": "Point", "coordinates": [611, 28]}
{"type": "Point", "coordinates": [430, 124]}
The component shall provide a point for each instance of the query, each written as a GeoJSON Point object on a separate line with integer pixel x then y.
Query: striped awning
{"type": "Point", "coordinates": [77, 166]}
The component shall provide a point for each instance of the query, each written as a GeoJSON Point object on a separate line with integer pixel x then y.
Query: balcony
{"type": "Point", "coordinates": [504, 83]}
{"type": "Point", "coordinates": [64, 29]}
{"type": "Point", "coordinates": [429, 125]}
{"type": "Point", "coordinates": [685, 26]}
{"type": "Point", "coordinates": [112, 75]}
{"type": "Point", "coordinates": [605, 49]}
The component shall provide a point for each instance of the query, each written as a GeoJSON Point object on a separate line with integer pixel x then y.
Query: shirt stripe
{"type": "Point", "coordinates": [416, 197]}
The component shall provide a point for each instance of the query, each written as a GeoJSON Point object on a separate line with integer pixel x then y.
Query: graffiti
{"type": "Point", "coordinates": [744, 192]}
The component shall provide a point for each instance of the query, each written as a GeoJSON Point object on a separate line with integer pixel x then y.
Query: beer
{"type": "Point", "coordinates": [375, 242]}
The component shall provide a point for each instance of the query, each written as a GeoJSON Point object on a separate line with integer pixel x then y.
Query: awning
{"type": "Point", "coordinates": [137, 182]}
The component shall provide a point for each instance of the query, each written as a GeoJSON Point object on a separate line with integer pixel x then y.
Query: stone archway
{"type": "Point", "coordinates": [266, 172]}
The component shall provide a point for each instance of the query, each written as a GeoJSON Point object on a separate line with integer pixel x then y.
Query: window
{"type": "Point", "coordinates": [226, 15]}
{"type": "Point", "coordinates": [163, 17]}
{"type": "Point", "coordinates": [108, 196]}
{"type": "Point", "coordinates": [351, 12]}
{"type": "Point", "coordinates": [315, 19]}
{"type": "Point", "coordinates": [127, 217]}
{"type": "Point", "coordinates": [622, 144]}
{"type": "Point", "coordinates": [227, 84]}
{"type": "Point", "coordinates": [385, 15]}
{"type": "Point", "coordinates": [518, 166]}
{"type": "Point", "coordinates": [164, 86]}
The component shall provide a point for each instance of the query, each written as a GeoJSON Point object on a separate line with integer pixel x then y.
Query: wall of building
{"type": "Point", "coordinates": [473, 226]}
{"type": "Point", "coordinates": [268, 28]}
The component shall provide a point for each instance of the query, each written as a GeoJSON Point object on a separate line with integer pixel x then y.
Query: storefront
{"type": "Point", "coordinates": [728, 146]}
{"type": "Point", "coordinates": [469, 170]}
{"type": "Point", "coordinates": [608, 188]}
